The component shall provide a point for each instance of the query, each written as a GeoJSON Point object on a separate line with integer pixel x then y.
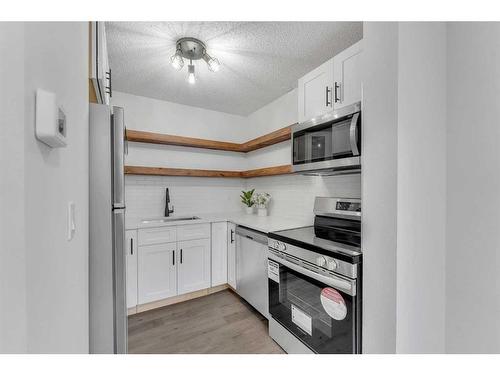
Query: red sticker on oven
{"type": "Point", "coordinates": [333, 303]}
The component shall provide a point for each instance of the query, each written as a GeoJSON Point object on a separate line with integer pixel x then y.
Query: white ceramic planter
{"type": "Point", "coordinates": [262, 211]}
{"type": "Point", "coordinates": [249, 210]}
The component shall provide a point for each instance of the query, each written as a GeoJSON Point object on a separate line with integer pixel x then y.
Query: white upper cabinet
{"type": "Point", "coordinates": [131, 270]}
{"type": "Point", "coordinates": [231, 255]}
{"type": "Point", "coordinates": [331, 86]}
{"type": "Point", "coordinates": [347, 76]}
{"type": "Point", "coordinates": [157, 276]}
{"type": "Point", "coordinates": [219, 253]}
{"type": "Point", "coordinates": [193, 265]}
{"type": "Point", "coordinates": [315, 92]}
{"type": "Point", "coordinates": [100, 72]}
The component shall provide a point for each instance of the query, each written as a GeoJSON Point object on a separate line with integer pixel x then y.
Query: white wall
{"type": "Point", "coordinates": [12, 250]}
{"type": "Point", "coordinates": [44, 299]}
{"type": "Point", "coordinates": [379, 185]}
{"type": "Point", "coordinates": [473, 186]}
{"type": "Point", "coordinates": [160, 116]}
{"type": "Point", "coordinates": [421, 197]}
{"type": "Point", "coordinates": [56, 59]}
{"type": "Point", "coordinates": [275, 115]}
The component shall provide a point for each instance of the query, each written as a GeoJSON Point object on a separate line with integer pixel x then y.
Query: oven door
{"type": "Point", "coordinates": [321, 311]}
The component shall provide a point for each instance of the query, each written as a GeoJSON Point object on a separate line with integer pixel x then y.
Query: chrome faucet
{"type": "Point", "coordinates": [168, 211]}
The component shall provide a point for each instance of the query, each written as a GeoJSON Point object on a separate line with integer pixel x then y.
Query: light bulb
{"type": "Point", "coordinates": [213, 63]}
{"type": "Point", "coordinates": [177, 61]}
{"type": "Point", "coordinates": [191, 77]}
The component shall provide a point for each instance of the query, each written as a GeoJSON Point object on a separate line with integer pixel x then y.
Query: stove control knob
{"type": "Point", "coordinates": [282, 247]}
{"type": "Point", "coordinates": [321, 261]}
{"type": "Point", "coordinates": [331, 265]}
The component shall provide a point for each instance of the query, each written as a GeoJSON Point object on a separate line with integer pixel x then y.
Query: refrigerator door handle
{"type": "Point", "coordinates": [118, 152]}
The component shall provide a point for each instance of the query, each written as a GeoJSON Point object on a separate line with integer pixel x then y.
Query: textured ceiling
{"type": "Point", "coordinates": [260, 61]}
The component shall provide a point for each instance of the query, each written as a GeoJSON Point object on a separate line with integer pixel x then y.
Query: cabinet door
{"type": "Point", "coordinates": [315, 92]}
{"type": "Point", "coordinates": [106, 70]}
{"type": "Point", "coordinates": [219, 253]}
{"type": "Point", "coordinates": [157, 277]}
{"type": "Point", "coordinates": [347, 76]}
{"type": "Point", "coordinates": [231, 255]}
{"type": "Point", "coordinates": [193, 271]}
{"type": "Point", "coordinates": [131, 268]}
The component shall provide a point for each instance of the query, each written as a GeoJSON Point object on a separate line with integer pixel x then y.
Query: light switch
{"type": "Point", "coordinates": [71, 220]}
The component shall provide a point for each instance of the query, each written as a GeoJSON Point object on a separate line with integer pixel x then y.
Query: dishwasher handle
{"type": "Point", "coordinates": [252, 234]}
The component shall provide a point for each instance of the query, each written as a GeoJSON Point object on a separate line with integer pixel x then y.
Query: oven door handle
{"type": "Point", "coordinates": [353, 134]}
{"type": "Point", "coordinates": [347, 286]}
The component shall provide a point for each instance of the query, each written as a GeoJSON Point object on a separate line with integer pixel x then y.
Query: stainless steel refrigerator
{"type": "Point", "coordinates": [107, 298]}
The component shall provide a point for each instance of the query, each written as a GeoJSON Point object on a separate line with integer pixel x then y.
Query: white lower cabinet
{"type": "Point", "coordinates": [167, 266]}
{"type": "Point", "coordinates": [157, 272]}
{"type": "Point", "coordinates": [131, 267]}
{"type": "Point", "coordinates": [231, 255]}
{"type": "Point", "coordinates": [193, 271]}
{"type": "Point", "coordinates": [219, 253]}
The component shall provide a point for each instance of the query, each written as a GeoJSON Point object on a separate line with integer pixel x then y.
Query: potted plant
{"type": "Point", "coordinates": [247, 199]}
{"type": "Point", "coordinates": [261, 200]}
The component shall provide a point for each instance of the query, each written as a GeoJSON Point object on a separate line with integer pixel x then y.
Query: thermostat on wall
{"type": "Point", "coordinates": [50, 120]}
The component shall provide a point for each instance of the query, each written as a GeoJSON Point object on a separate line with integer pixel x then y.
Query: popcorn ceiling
{"type": "Point", "coordinates": [260, 61]}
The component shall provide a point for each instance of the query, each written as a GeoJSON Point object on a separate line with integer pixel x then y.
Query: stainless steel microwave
{"type": "Point", "coordinates": [329, 144]}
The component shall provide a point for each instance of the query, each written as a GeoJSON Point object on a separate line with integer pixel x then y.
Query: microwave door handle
{"type": "Point", "coordinates": [347, 286]}
{"type": "Point", "coordinates": [353, 134]}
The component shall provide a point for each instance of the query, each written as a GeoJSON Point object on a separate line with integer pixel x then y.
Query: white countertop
{"type": "Point", "coordinates": [263, 224]}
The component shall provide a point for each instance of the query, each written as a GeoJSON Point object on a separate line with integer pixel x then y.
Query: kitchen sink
{"type": "Point", "coordinates": [170, 219]}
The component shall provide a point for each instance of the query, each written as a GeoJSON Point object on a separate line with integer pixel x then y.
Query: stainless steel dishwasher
{"type": "Point", "coordinates": [251, 268]}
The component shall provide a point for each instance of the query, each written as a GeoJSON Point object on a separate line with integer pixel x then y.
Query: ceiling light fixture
{"type": "Point", "coordinates": [192, 49]}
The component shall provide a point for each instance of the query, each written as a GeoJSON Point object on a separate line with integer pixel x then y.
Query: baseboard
{"type": "Point", "coordinates": [132, 310]}
{"type": "Point", "coordinates": [177, 299]}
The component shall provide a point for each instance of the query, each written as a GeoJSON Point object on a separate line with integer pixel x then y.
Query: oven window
{"type": "Point", "coordinates": [323, 318]}
{"type": "Point", "coordinates": [322, 142]}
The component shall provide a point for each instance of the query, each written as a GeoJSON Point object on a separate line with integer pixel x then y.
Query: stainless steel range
{"type": "Point", "coordinates": [314, 279]}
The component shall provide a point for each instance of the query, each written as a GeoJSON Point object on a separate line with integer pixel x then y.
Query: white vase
{"type": "Point", "coordinates": [262, 211]}
{"type": "Point", "coordinates": [249, 210]}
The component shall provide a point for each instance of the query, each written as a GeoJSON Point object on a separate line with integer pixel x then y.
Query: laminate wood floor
{"type": "Point", "coordinates": [219, 323]}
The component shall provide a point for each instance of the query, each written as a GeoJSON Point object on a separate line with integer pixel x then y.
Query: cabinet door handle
{"type": "Point", "coordinates": [109, 89]}
{"type": "Point", "coordinates": [181, 256]}
{"type": "Point", "coordinates": [327, 96]}
{"type": "Point", "coordinates": [131, 246]}
{"type": "Point", "coordinates": [337, 97]}
{"type": "Point", "coordinates": [173, 257]}
{"type": "Point", "coordinates": [232, 236]}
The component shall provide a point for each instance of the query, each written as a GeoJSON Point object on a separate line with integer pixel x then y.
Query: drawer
{"type": "Point", "coordinates": [193, 232]}
{"type": "Point", "coordinates": [151, 236]}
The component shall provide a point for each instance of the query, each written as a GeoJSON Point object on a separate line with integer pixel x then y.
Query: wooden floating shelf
{"type": "Point", "coordinates": [276, 136]}
{"type": "Point", "coordinates": [160, 171]}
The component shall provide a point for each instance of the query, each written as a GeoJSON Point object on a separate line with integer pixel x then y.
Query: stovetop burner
{"type": "Point", "coordinates": [337, 229]}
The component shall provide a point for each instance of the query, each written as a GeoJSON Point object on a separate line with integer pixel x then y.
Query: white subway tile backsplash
{"type": "Point", "coordinates": [145, 195]}
{"type": "Point", "coordinates": [292, 195]}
